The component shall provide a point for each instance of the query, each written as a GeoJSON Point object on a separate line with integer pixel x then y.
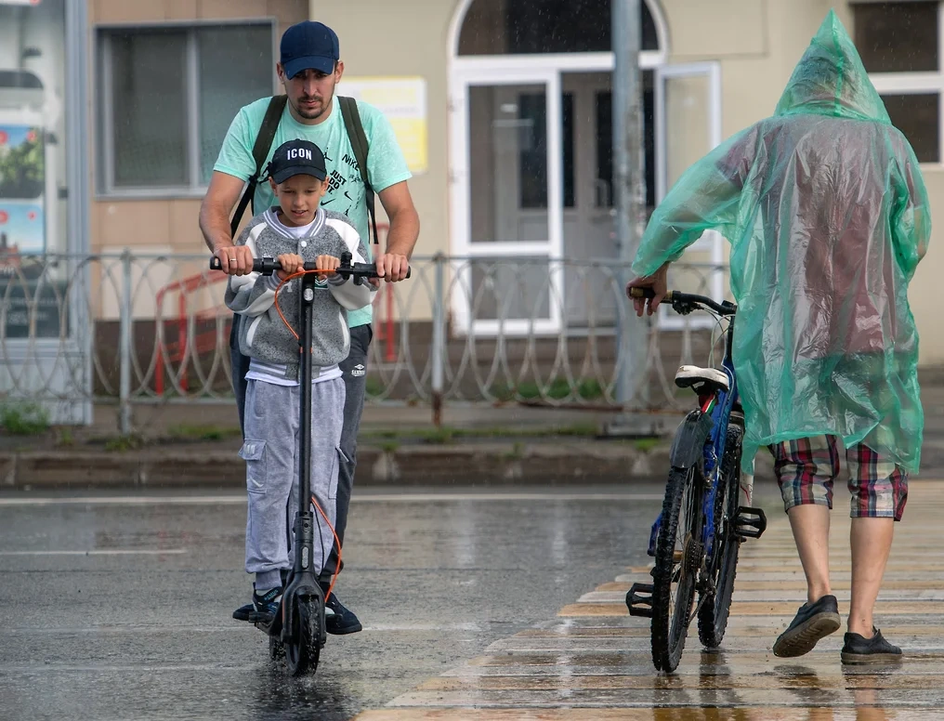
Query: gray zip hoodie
{"type": "Point", "coordinates": [262, 334]}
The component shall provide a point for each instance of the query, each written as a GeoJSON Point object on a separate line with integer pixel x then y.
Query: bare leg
{"type": "Point", "coordinates": [871, 541]}
{"type": "Point", "coordinates": [810, 525]}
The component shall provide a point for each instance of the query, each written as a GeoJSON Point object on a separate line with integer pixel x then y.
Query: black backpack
{"type": "Point", "coordinates": [260, 149]}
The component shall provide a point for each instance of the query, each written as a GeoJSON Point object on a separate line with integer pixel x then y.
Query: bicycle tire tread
{"type": "Point", "coordinates": [665, 657]}
{"type": "Point", "coordinates": [714, 612]}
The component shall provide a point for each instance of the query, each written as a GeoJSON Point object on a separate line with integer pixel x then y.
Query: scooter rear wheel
{"type": "Point", "coordinates": [302, 654]}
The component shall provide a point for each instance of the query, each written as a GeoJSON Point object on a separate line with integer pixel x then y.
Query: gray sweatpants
{"type": "Point", "coordinates": [271, 449]}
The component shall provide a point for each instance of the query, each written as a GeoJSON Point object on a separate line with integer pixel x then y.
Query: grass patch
{"type": "Point", "coordinates": [439, 436]}
{"type": "Point", "coordinates": [516, 453]}
{"type": "Point", "coordinates": [24, 419]}
{"type": "Point", "coordinates": [389, 446]}
{"type": "Point", "coordinates": [65, 438]}
{"type": "Point", "coordinates": [559, 389]}
{"type": "Point", "coordinates": [186, 432]}
{"type": "Point", "coordinates": [448, 434]}
{"type": "Point", "coordinates": [646, 444]}
{"type": "Point", "coordinates": [124, 443]}
{"type": "Point", "coordinates": [583, 430]}
{"type": "Point", "coordinates": [374, 386]}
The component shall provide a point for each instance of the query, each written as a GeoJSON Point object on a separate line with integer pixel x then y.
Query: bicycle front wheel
{"type": "Point", "coordinates": [679, 553]}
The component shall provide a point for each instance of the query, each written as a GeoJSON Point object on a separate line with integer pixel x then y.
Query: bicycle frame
{"type": "Point", "coordinates": [721, 404]}
{"type": "Point", "coordinates": [725, 401]}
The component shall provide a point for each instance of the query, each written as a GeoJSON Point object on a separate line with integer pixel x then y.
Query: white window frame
{"type": "Point", "coordinates": [920, 83]}
{"type": "Point", "coordinates": [105, 160]}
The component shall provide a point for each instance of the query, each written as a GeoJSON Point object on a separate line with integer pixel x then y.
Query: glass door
{"type": "Point", "coordinates": [507, 202]}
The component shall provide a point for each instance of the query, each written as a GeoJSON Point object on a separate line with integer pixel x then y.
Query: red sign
{"type": "Point", "coordinates": [4, 216]}
{"type": "Point", "coordinates": [4, 137]}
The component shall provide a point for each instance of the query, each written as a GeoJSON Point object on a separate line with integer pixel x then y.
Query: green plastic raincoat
{"type": "Point", "coordinates": [827, 215]}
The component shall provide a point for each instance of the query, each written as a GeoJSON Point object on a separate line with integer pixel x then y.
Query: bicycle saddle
{"type": "Point", "coordinates": [702, 378]}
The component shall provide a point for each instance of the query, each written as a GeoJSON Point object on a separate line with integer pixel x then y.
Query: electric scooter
{"type": "Point", "coordinates": [297, 631]}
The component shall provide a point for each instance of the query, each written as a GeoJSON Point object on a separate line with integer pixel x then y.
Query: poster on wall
{"type": "Point", "coordinates": [22, 181]}
{"type": "Point", "coordinates": [403, 101]}
{"type": "Point", "coordinates": [33, 183]}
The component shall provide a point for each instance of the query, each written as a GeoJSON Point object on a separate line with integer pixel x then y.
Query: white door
{"type": "Point", "coordinates": [589, 231]}
{"type": "Point", "coordinates": [507, 204]}
{"type": "Point", "coordinates": [688, 125]}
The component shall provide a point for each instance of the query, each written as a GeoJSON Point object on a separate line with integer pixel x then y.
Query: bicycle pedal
{"type": "Point", "coordinates": [751, 522]}
{"type": "Point", "coordinates": [639, 600]}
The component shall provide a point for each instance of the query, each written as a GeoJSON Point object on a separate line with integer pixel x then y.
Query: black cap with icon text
{"type": "Point", "coordinates": [297, 157]}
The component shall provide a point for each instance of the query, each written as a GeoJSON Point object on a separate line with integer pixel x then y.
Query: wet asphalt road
{"type": "Point", "coordinates": [118, 606]}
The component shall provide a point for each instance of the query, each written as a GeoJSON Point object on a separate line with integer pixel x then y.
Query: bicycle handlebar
{"type": "Point", "coordinates": [267, 266]}
{"type": "Point", "coordinates": [685, 303]}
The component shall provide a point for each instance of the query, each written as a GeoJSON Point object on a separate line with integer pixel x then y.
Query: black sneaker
{"type": "Point", "coordinates": [266, 606]}
{"type": "Point", "coordinates": [245, 613]}
{"type": "Point", "coordinates": [339, 620]}
{"type": "Point", "coordinates": [859, 649]}
{"type": "Point", "coordinates": [812, 622]}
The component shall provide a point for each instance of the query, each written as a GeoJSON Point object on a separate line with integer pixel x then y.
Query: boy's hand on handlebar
{"type": "Point", "coordinates": [291, 263]}
{"type": "Point", "coordinates": [234, 259]}
{"type": "Point", "coordinates": [327, 264]}
{"type": "Point", "coordinates": [392, 267]}
{"type": "Point", "coordinates": [658, 281]}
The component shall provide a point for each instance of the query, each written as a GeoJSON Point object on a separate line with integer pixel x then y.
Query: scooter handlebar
{"type": "Point", "coordinates": [267, 266]}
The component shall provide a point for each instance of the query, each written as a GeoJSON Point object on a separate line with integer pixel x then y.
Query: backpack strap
{"type": "Point", "coordinates": [260, 149]}
{"type": "Point", "coordinates": [360, 146]}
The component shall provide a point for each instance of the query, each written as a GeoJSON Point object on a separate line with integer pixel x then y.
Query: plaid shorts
{"type": "Point", "coordinates": [807, 467]}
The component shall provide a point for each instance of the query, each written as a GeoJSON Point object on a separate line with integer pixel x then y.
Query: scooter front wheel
{"type": "Point", "coordinates": [304, 650]}
{"type": "Point", "coordinates": [276, 648]}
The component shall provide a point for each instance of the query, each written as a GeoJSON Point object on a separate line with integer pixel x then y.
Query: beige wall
{"type": "Point", "coordinates": [166, 225]}
{"type": "Point", "coordinates": [757, 43]}
{"type": "Point", "coordinates": [406, 37]}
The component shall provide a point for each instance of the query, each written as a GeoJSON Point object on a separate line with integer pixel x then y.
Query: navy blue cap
{"type": "Point", "coordinates": [296, 157]}
{"type": "Point", "coordinates": [309, 45]}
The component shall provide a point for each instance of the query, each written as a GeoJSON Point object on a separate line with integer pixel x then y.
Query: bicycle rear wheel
{"type": "Point", "coordinates": [679, 554]}
{"type": "Point", "coordinates": [713, 614]}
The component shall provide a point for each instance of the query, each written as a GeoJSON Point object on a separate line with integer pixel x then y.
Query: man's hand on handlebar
{"type": "Point", "coordinates": [234, 259]}
{"type": "Point", "coordinates": [392, 267]}
{"type": "Point", "coordinates": [658, 282]}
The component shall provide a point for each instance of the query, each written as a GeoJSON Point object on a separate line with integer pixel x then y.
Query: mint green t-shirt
{"type": "Point", "coordinates": [385, 163]}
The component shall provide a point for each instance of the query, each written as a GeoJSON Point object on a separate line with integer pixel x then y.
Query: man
{"type": "Point", "coordinates": [827, 215]}
{"type": "Point", "coordinates": [309, 70]}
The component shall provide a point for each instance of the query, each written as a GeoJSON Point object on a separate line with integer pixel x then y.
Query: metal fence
{"type": "Point", "coordinates": [127, 329]}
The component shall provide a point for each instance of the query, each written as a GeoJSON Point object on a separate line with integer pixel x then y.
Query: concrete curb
{"type": "Point", "coordinates": [544, 463]}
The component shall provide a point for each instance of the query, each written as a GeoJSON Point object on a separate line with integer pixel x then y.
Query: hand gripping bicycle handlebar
{"type": "Point", "coordinates": [685, 303]}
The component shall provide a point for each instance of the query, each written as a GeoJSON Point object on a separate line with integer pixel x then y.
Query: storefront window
{"type": "Point", "coordinates": [33, 172]}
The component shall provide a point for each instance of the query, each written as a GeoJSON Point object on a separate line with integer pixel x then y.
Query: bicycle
{"type": "Point", "coordinates": [697, 536]}
{"type": "Point", "coordinates": [297, 632]}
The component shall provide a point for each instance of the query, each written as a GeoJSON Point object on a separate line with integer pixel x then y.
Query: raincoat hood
{"type": "Point", "coordinates": [828, 216]}
{"type": "Point", "coordinates": [830, 79]}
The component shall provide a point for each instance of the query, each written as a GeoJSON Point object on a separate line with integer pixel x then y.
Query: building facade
{"type": "Point", "coordinates": [504, 106]}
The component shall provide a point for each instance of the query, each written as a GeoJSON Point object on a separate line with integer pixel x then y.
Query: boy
{"type": "Point", "coordinates": [295, 231]}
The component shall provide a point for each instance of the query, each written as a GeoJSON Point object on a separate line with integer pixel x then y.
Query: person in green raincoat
{"type": "Point", "coordinates": [827, 215]}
